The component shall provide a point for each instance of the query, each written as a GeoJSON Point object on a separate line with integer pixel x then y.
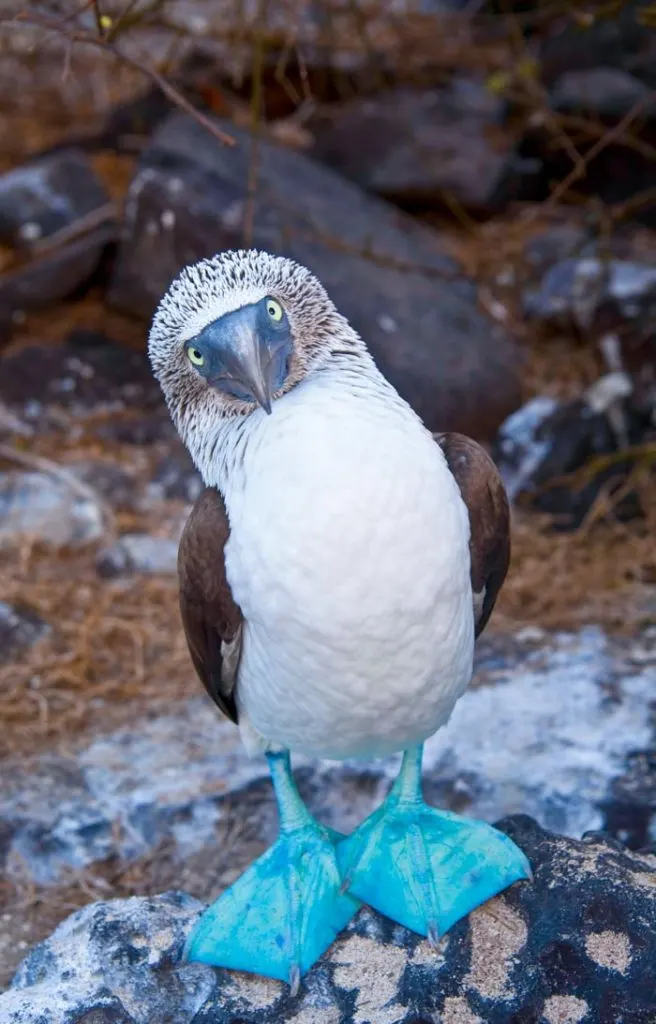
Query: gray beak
{"type": "Point", "coordinates": [240, 359]}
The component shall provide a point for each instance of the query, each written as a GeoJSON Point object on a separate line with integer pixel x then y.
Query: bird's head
{"type": "Point", "coordinates": [234, 333]}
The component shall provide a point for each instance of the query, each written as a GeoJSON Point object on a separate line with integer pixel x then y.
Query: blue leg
{"type": "Point", "coordinates": [287, 908]}
{"type": "Point", "coordinates": [422, 867]}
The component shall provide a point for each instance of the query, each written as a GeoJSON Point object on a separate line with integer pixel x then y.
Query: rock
{"type": "Point", "coordinates": [109, 481]}
{"type": "Point", "coordinates": [599, 71]}
{"type": "Point", "coordinates": [574, 291]}
{"type": "Point", "coordinates": [54, 276]}
{"type": "Point", "coordinates": [608, 92]}
{"type": "Point", "coordinates": [88, 374]}
{"type": "Point", "coordinates": [46, 508]}
{"type": "Point", "coordinates": [182, 774]}
{"type": "Point", "coordinates": [57, 213]}
{"type": "Point", "coordinates": [598, 68]}
{"type": "Point", "coordinates": [141, 431]}
{"type": "Point", "coordinates": [20, 628]}
{"type": "Point", "coordinates": [521, 446]}
{"type": "Point", "coordinates": [611, 302]}
{"type": "Point", "coordinates": [175, 477]}
{"type": "Point", "coordinates": [573, 946]}
{"type": "Point", "coordinates": [384, 270]}
{"type": "Point", "coordinates": [138, 553]}
{"type": "Point", "coordinates": [56, 196]}
{"type": "Point", "coordinates": [545, 442]}
{"type": "Point", "coordinates": [129, 124]}
{"type": "Point", "coordinates": [622, 39]}
{"type": "Point", "coordinates": [113, 961]}
{"type": "Point", "coordinates": [555, 243]}
{"type": "Point", "coordinates": [413, 147]}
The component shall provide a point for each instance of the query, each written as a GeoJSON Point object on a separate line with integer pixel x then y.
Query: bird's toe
{"type": "Point", "coordinates": [425, 868]}
{"type": "Point", "coordinates": [281, 914]}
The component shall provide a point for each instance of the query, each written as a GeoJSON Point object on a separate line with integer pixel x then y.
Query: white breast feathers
{"type": "Point", "coordinates": [349, 558]}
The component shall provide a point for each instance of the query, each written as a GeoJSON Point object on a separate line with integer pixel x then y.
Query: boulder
{"type": "Point", "coordinates": [608, 92]}
{"type": "Point", "coordinates": [55, 212]}
{"type": "Point", "coordinates": [55, 275]}
{"type": "Point", "coordinates": [611, 301]}
{"type": "Point", "coordinates": [541, 447]}
{"type": "Point", "coordinates": [598, 69]}
{"type": "Point", "coordinates": [46, 508]}
{"type": "Point", "coordinates": [138, 553]}
{"type": "Point", "coordinates": [189, 199]}
{"type": "Point", "coordinates": [593, 294]}
{"type": "Point", "coordinates": [176, 477]}
{"type": "Point", "coordinates": [430, 147]}
{"type": "Point", "coordinates": [576, 945]}
{"type": "Point", "coordinates": [54, 196]}
{"type": "Point", "coordinates": [88, 374]}
{"type": "Point", "coordinates": [620, 39]}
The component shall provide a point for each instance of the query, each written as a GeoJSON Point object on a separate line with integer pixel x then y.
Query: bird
{"type": "Point", "coordinates": [334, 574]}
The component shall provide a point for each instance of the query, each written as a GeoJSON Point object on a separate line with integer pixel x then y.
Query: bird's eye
{"type": "Point", "coordinates": [274, 309]}
{"type": "Point", "coordinates": [195, 356]}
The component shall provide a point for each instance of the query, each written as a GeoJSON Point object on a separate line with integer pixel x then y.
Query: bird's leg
{"type": "Point", "coordinates": [287, 908]}
{"type": "Point", "coordinates": [425, 868]}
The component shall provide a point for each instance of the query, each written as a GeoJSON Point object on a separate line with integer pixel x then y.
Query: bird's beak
{"type": "Point", "coordinates": [241, 363]}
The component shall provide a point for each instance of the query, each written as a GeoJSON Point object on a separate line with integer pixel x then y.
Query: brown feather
{"type": "Point", "coordinates": [489, 516]}
{"type": "Point", "coordinates": [211, 619]}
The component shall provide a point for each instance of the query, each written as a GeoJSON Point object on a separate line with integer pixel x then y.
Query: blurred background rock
{"type": "Point", "coordinates": [474, 183]}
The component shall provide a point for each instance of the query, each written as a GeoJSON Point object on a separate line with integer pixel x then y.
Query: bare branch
{"type": "Point", "coordinates": [74, 35]}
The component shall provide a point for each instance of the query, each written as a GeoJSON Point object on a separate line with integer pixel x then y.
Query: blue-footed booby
{"type": "Point", "coordinates": [334, 575]}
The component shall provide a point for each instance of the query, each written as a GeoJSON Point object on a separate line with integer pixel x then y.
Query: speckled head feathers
{"type": "Point", "coordinates": [207, 290]}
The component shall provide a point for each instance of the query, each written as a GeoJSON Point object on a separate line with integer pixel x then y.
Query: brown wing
{"type": "Point", "coordinates": [211, 619]}
{"type": "Point", "coordinates": [489, 516]}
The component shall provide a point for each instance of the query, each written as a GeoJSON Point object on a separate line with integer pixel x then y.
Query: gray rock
{"type": "Point", "coordinates": [541, 446]}
{"type": "Point", "coordinates": [549, 729]}
{"type": "Point", "coordinates": [623, 39]}
{"type": "Point", "coordinates": [54, 276]}
{"type": "Point", "coordinates": [109, 481]}
{"type": "Point", "coordinates": [138, 553]}
{"type": "Point", "coordinates": [175, 477]}
{"type": "Point", "coordinates": [384, 270]}
{"type": "Point", "coordinates": [57, 195]}
{"type": "Point", "coordinates": [87, 374]}
{"type": "Point", "coordinates": [608, 92]}
{"type": "Point", "coordinates": [47, 508]}
{"type": "Point", "coordinates": [574, 291]}
{"type": "Point", "coordinates": [119, 961]}
{"type": "Point", "coordinates": [413, 147]}
{"type": "Point", "coordinates": [573, 946]}
{"type": "Point", "coordinates": [56, 212]}
{"type": "Point", "coordinates": [556, 243]}
{"type": "Point", "coordinates": [20, 628]}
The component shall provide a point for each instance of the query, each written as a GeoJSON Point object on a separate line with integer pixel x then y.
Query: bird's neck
{"type": "Point", "coordinates": [225, 448]}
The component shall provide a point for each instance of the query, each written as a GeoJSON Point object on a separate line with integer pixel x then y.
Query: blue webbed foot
{"type": "Point", "coordinates": [287, 908]}
{"type": "Point", "coordinates": [425, 868]}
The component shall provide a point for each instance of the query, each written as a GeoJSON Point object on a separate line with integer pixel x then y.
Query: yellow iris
{"type": "Point", "coordinates": [195, 357]}
{"type": "Point", "coordinates": [274, 309]}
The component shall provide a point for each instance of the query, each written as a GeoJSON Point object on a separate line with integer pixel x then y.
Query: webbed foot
{"type": "Point", "coordinates": [287, 908]}
{"type": "Point", "coordinates": [425, 868]}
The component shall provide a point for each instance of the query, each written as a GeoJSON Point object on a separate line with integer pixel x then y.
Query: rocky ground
{"type": "Point", "coordinates": [573, 945]}
{"type": "Point", "coordinates": [429, 198]}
